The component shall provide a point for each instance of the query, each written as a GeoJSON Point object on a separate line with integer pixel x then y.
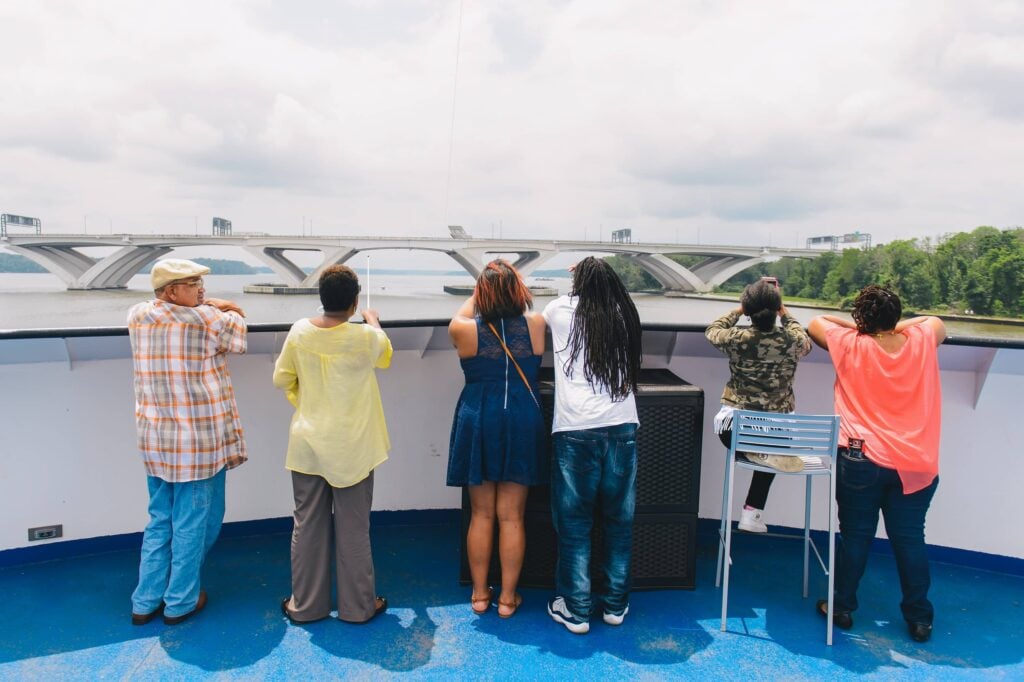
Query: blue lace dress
{"type": "Point", "coordinates": [499, 433]}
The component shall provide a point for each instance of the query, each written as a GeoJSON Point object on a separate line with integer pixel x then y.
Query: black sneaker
{"type": "Point", "coordinates": [841, 619]}
{"type": "Point", "coordinates": [920, 632]}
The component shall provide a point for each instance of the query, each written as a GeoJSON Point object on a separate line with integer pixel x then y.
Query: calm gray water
{"type": "Point", "coordinates": [40, 301]}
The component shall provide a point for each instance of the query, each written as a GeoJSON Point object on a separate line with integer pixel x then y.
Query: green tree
{"type": "Point", "coordinates": [633, 277]}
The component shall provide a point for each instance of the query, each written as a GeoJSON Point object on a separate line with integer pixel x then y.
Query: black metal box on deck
{"type": "Point", "coordinates": [671, 414]}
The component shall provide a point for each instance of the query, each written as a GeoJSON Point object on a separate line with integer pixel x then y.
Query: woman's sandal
{"type": "Point", "coordinates": [514, 605]}
{"type": "Point", "coordinates": [485, 600]}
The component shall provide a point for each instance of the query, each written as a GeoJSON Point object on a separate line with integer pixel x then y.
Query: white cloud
{"type": "Point", "coordinates": [744, 120]}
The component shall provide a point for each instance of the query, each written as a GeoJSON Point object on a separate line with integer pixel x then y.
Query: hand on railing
{"type": "Point", "coordinates": [224, 305]}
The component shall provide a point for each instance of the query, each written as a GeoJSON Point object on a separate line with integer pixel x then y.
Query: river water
{"type": "Point", "coordinates": [40, 301]}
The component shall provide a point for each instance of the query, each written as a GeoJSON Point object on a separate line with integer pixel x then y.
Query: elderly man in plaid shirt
{"type": "Point", "coordinates": [188, 432]}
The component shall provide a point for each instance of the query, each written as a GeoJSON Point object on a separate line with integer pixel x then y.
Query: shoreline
{"type": "Point", "coordinates": [952, 317]}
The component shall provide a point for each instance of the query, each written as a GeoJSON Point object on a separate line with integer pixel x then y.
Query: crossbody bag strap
{"type": "Point", "coordinates": [518, 368]}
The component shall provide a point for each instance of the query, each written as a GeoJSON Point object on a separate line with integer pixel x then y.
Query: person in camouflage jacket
{"type": "Point", "coordinates": [762, 365]}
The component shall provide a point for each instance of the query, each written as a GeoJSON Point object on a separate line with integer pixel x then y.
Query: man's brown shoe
{"type": "Point", "coordinates": [200, 604]}
{"type": "Point", "coordinates": [143, 618]}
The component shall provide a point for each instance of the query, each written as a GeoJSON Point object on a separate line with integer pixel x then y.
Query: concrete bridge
{"type": "Point", "coordinates": [61, 255]}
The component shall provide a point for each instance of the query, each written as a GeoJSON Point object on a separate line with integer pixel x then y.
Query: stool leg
{"type": "Point", "coordinates": [721, 526]}
{"type": "Point", "coordinates": [807, 530]}
{"type": "Point", "coordinates": [727, 559]}
{"type": "Point", "coordinates": [831, 548]}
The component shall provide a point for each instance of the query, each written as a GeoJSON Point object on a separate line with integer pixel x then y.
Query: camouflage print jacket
{"type": "Point", "coordinates": [761, 364]}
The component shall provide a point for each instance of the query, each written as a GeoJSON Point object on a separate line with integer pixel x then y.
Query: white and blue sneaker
{"type": "Point", "coordinates": [612, 618]}
{"type": "Point", "coordinates": [561, 613]}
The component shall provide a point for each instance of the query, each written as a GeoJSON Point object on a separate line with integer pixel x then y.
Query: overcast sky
{"type": "Point", "coordinates": [728, 122]}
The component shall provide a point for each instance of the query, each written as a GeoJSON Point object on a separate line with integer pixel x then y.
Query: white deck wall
{"type": "Point", "coordinates": [67, 436]}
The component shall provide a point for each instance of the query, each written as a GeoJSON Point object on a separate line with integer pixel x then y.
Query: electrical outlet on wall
{"type": "Point", "coordinates": [45, 532]}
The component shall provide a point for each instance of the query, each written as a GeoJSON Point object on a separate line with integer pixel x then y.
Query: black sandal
{"type": "Point", "coordinates": [291, 619]}
{"type": "Point", "coordinates": [841, 619]}
{"type": "Point", "coordinates": [382, 606]}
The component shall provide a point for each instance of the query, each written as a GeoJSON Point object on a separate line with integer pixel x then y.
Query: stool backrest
{"type": "Point", "coordinates": [771, 433]}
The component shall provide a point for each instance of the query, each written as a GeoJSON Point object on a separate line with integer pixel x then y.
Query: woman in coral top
{"type": "Point", "coordinates": [889, 398]}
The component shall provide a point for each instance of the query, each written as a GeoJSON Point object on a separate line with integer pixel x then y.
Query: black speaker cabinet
{"type": "Point", "coordinates": [671, 414]}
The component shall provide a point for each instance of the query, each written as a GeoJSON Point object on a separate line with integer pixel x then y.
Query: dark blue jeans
{"type": "Point", "coordinates": [594, 468]}
{"type": "Point", "coordinates": [862, 490]}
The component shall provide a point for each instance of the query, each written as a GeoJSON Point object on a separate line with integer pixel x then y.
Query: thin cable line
{"type": "Point", "coordinates": [451, 132]}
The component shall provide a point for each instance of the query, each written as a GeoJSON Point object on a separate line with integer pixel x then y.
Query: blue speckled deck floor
{"type": "Point", "coordinates": [69, 619]}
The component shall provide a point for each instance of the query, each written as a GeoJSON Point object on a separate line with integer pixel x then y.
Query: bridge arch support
{"type": "Point", "coordinates": [710, 273]}
{"type": "Point", "coordinates": [473, 259]}
{"type": "Point", "coordinates": [290, 272]}
{"type": "Point", "coordinates": [79, 271]}
{"type": "Point", "coordinates": [717, 271]}
{"type": "Point", "coordinates": [670, 275]}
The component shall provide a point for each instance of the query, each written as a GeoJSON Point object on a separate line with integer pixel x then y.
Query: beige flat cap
{"type": "Point", "coordinates": [171, 269]}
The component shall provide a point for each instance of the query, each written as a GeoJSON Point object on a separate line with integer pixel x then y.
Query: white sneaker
{"type": "Point", "coordinates": [558, 610]}
{"type": "Point", "coordinates": [784, 463]}
{"type": "Point", "coordinates": [616, 618]}
{"type": "Point", "coordinates": [750, 521]}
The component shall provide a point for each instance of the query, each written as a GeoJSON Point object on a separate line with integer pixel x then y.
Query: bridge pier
{"type": "Point", "coordinates": [114, 271]}
{"type": "Point", "coordinates": [291, 273]}
{"type": "Point", "coordinates": [274, 257]}
{"type": "Point", "coordinates": [531, 260]}
{"type": "Point", "coordinates": [710, 273]}
{"type": "Point", "coordinates": [717, 271]}
{"type": "Point", "coordinates": [474, 259]}
{"type": "Point", "coordinates": [81, 272]}
{"type": "Point", "coordinates": [670, 274]}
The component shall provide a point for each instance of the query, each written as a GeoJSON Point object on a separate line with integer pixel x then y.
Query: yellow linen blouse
{"type": "Point", "coordinates": [338, 429]}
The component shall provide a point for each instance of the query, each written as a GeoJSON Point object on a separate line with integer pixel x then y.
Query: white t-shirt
{"type": "Point", "coordinates": [578, 405]}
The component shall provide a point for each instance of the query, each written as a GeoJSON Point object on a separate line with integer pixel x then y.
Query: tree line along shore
{"type": "Point", "coordinates": [966, 273]}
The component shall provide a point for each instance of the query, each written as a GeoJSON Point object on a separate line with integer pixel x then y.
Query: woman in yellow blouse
{"type": "Point", "coordinates": [337, 438]}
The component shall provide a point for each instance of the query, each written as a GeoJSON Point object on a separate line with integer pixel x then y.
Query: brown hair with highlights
{"type": "Point", "coordinates": [500, 292]}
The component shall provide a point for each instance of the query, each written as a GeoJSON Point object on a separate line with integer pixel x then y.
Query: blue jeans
{"type": "Point", "coordinates": [184, 521]}
{"type": "Point", "coordinates": [594, 466]}
{"type": "Point", "coordinates": [862, 490]}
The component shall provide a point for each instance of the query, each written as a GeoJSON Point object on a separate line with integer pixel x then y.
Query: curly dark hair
{"type": "Point", "coordinates": [339, 288]}
{"type": "Point", "coordinates": [877, 309]}
{"type": "Point", "coordinates": [605, 330]}
{"type": "Point", "coordinates": [761, 301]}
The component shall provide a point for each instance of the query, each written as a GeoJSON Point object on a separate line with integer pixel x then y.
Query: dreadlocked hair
{"type": "Point", "coordinates": [605, 329]}
{"type": "Point", "coordinates": [877, 309]}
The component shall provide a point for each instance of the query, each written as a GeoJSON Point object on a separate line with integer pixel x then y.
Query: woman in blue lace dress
{"type": "Point", "coordinates": [498, 443]}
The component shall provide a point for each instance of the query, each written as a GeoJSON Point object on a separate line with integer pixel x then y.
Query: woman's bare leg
{"type": "Point", "coordinates": [511, 505]}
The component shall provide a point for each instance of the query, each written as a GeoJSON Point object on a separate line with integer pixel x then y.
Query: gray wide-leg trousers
{"type": "Point", "coordinates": [315, 523]}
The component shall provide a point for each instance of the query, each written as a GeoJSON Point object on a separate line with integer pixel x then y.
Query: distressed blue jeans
{"type": "Point", "coordinates": [594, 468]}
{"type": "Point", "coordinates": [862, 490]}
{"type": "Point", "coordinates": [184, 522]}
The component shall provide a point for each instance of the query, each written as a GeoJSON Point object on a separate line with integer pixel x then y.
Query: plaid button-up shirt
{"type": "Point", "coordinates": [185, 412]}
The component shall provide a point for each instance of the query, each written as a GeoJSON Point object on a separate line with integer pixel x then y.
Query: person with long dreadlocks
{"type": "Point", "coordinates": [595, 333]}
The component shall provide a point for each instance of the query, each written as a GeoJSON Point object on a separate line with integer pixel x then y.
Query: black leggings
{"type": "Point", "coordinates": [760, 483]}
